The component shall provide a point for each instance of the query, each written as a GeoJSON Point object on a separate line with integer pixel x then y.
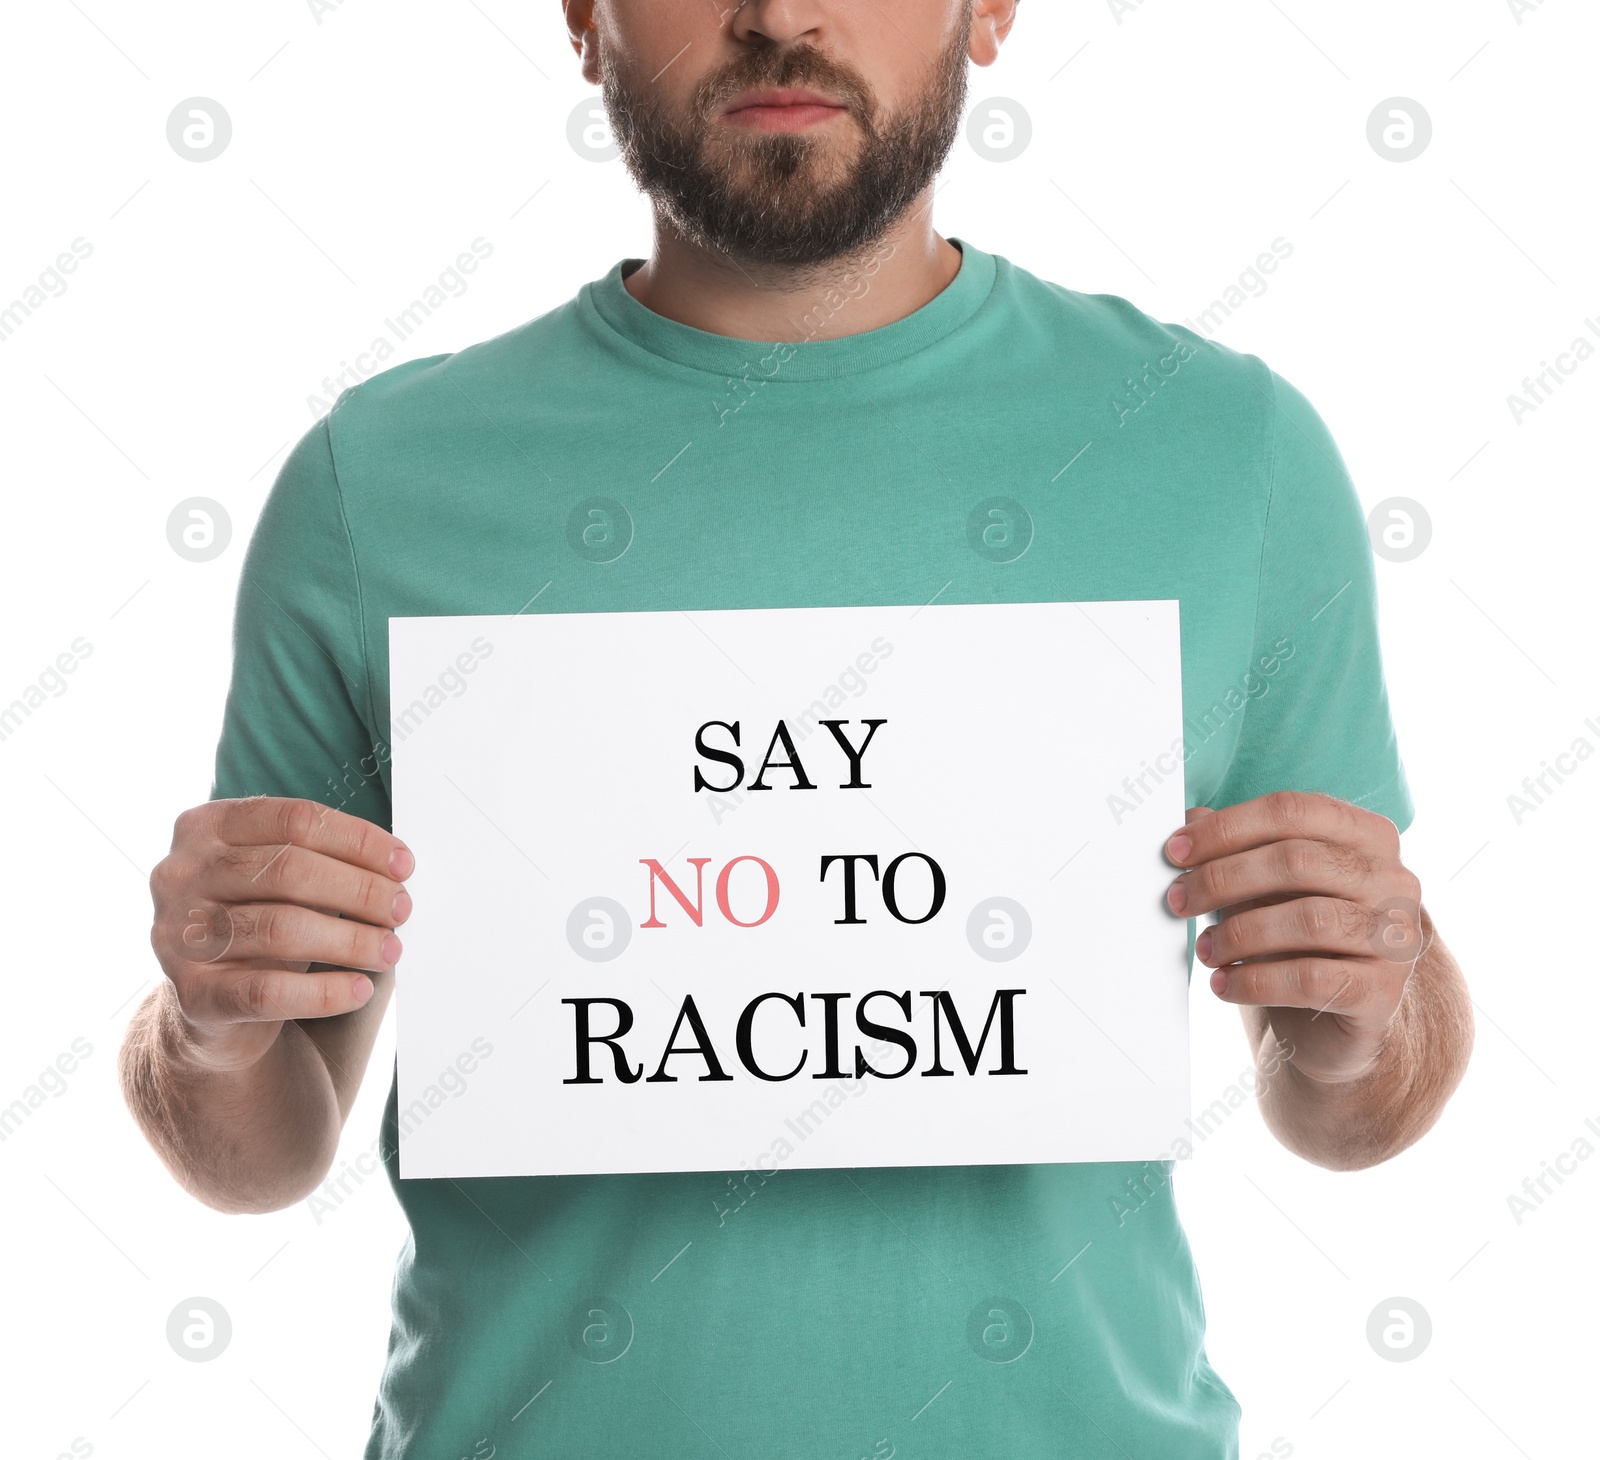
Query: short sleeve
{"type": "Point", "coordinates": [298, 720]}
{"type": "Point", "coordinates": [1317, 716]}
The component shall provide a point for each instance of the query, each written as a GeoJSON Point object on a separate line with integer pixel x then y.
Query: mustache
{"type": "Point", "coordinates": [795, 66]}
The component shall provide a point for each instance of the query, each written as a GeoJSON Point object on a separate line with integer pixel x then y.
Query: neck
{"type": "Point", "coordinates": [698, 286]}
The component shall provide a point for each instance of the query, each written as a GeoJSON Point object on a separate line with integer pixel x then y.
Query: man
{"type": "Point", "coordinates": [789, 148]}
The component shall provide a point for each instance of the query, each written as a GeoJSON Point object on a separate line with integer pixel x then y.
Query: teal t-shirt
{"type": "Point", "coordinates": [940, 1312]}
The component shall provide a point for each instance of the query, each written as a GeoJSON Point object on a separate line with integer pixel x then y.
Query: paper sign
{"type": "Point", "coordinates": [789, 888]}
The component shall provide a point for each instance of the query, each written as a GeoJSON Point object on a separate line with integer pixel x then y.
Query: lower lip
{"type": "Point", "coordinates": [782, 118]}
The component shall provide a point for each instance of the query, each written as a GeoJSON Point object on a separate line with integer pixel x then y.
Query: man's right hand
{"type": "Point", "coordinates": [251, 895]}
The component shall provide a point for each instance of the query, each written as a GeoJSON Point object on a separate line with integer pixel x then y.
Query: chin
{"type": "Point", "coordinates": [801, 171]}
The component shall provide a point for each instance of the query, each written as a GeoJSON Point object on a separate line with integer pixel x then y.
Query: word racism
{"type": "Point", "coordinates": [782, 760]}
{"type": "Point", "coordinates": [449, 285]}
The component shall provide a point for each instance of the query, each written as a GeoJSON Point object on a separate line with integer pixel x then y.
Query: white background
{"type": "Point", "coordinates": [1168, 152]}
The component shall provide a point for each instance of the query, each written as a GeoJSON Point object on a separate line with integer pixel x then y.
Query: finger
{"type": "Point", "coordinates": [281, 932]}
{"type": "Point", "coordinates": [1234, 908]}
{"type": "Point", "coordinates": [252, 994]}
{"type": "Point", "coordinates": [287, 820]}
{"type": "Point", "coordinates": [1309, 868]}
{"type": "Point", "coordinates": [1283, 815]}
{"type": "Point", "coordinates": [290, 873]}
{"type": "Point", "coordinates": [1302, 925]}
{"type": "Point", "coordinates": [1325, 985]}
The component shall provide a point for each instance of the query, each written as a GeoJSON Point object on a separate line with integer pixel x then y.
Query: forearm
{"type": "Point", "coordinates": [1354, 1124]}
{"type": "Point", "coordinates": [254, 1138]}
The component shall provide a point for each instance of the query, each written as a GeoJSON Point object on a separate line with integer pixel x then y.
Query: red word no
{"type": "Point", "coordinates": [696, 909]}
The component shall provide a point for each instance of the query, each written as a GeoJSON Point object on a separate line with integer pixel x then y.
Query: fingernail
{"type": "Point", "coordinates": [1219, 982]}
{"type": "Point", "coordinates": [402, 907]}
{"type": "Point", "coordinates": [1176, 898]}
{"type": "Point", "coordinates": [361, 988]}
{"type": "Point", "coordinates": [1178, 847]}
{"type": "Point", "coordinates": [391, 950]}
{"type": "Point", "coordinates": [401, 863]}
{"type": "Point", "coordinates": [1202, 945]}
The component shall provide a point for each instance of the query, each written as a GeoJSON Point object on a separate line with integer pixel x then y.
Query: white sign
{"type": "Point", "coordinates": [789, 887]}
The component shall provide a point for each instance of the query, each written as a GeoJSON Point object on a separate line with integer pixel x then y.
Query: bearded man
{"type": "Point", "coordinates": [851, 383]}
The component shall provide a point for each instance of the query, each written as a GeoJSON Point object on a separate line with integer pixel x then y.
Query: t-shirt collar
{"type": "Point", "coordinates": [724, 355]}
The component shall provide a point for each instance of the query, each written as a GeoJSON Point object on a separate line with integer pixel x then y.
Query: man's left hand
{"type": "Point", "coordinates": [1320, 922]}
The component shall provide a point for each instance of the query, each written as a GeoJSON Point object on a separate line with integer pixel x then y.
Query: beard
{"type": "Point", "coordinates": [787, 199]}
